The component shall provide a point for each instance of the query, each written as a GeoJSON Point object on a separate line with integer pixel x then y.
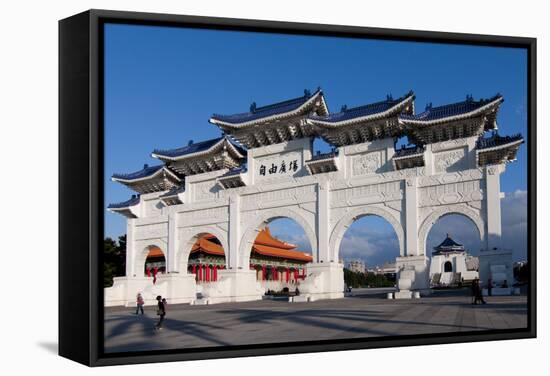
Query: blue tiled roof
{"type": "Point", "coordinates": [134, 200]}
{"type": "Point", "coordinates": [404, 151]}
{"type": "Point", "coordinates": [449, 245]}
{"type": "Point", "coordinates": [453, 109]}
{"type": "Point", "coordinates": [320, 156]}
{"type": "Point", "coordinates": [361, 111]}
{"type": "Point", "coordinates": [265, 111]}
{"type": "Point", "coordinates": [174, 190]}
{"type": "Point", "coordinates": [194, 148]}
{"type": "Point", "coordinates": [235, 171]}
{"type": "Point", "coordinates": [496, 140]}
{"type": "Point", "coordinates": [189, 149]}
{"type": "Point", "coordinates": [144, 172]}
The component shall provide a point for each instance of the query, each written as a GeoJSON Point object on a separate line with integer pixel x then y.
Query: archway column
{"type": "Point", "coordinates": [492, 196]}
{"type": "Point", "coordinates": [130, 248]}
{"type": "Point", "coordinates": [411, 218]}
{"type": "Point", "coordinates": [234, 235]}
{"type": "Point", "coordinates": [172, 243]}
{"type": "Point", "coordinates": [323, 222]}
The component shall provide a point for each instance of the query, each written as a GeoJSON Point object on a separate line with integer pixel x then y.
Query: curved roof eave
{"type": "Point", "coordinates": [145, 178]}
{"type": "Point", "coordinates": [227, 125]}
{"type": "Point", "coordinates": [376, 116]}
{"type": "Point", "coordinates": [201, 153]}
{"type": "Point", "coordinates": [408, 121]}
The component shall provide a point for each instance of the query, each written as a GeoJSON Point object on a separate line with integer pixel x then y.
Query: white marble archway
{"type": "Point", "coordinates": [259, 224]}
{"type": "Point", "coordinates": [190, 235]}
{"type": "Point", "coordinates": [347, 220]}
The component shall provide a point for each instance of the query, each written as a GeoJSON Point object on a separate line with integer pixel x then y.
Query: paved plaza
{"type": "Point", "coordinates": [364, 313]}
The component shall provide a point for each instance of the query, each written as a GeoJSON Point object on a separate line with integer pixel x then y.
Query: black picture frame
{"type": "Point", "coordinates": [81, 184]}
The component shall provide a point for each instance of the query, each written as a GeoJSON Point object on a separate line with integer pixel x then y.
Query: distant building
{"type": "Point", "coordinates": [357, 266]}
{"type": "Point", "coordinates": [388, 269]}
{"type": "Point", "coordinates": [452, 265]}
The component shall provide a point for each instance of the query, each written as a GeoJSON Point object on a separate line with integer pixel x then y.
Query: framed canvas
{"type": "Point", "coordinates": [238, 187]}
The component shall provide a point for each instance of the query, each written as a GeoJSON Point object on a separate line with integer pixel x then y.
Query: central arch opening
{"type": "Point", "coordinates": [453, 244]}
{"type": "Point", "coordinates": [280, 256]}
{"type": "Point", "coordinates": [155, 262]}
{"type": "Point", "coordinates": [368, 251]}
{"type": "Point", "coordinates": [206, 258]}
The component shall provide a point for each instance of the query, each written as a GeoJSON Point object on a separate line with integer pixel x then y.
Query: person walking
{"type": "Point", "coordinates": [139, 303]}
{"type": "Point", "coordinates": [477, 292]}
{"type": "Point", "coordinates": [161, 312]}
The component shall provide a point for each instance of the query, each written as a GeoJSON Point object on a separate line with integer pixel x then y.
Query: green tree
{"type": "Point", "coordinates": [114, 259]}
{"type": "Point", "coordinates": [355, 279]}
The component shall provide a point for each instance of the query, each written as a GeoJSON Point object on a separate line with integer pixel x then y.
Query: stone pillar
{"type": "Point", "coordinates": [172, 251]}
{"type": "Point", "coordinates": [492, 199]}
{"type": "Point", "coordinates": [234, 232]}
{"type": "Point", "coordinates": [323, 222]}
{"type": "Point", "coordinates": [429, 160]}
{"type": "Point", "coordinates": [411, 218]}
{"type": "Point", "coordinates": [130, 248]}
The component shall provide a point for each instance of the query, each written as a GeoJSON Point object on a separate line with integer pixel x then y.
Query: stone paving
{"type": "Point", "coordinates": [365, 313]}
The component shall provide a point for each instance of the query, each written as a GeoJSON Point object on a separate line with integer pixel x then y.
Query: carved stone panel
{"type": "Point", "coordinates": [451, 144]}
{"type": "Point", "coordinates": [453, 177]}
{"type": "Point", "coordinates": [206, 190]}
{"type": "Point", "coordinates": [451, 193]}
{"type": "Point", "coordinates": [449, 161]}
{"type": "Point", "coordinates": [204, 216]}
{"type": "Point", "coordinates": [279, 197]}
{"type": "Point", "coordinates": [367, 163]}
{"type": "Point", "coordinates": [368, 194]}
{"type": "Point", "coordinates": [155, 230]}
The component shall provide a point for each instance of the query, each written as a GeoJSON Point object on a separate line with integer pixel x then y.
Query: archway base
{"type": "Point", "coordinates": [496, 265]}
{"type": "Point", "coordinates": [233, 286]}
{"type": "Point", "coordinates": [176, 288]}
{"type": "Point", "coordinates": [323, 281]}
{"type": "Point", "coordinates": [412, 275]}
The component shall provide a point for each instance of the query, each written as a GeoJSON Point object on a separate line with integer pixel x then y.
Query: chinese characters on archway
{"type": "Point", "coordinates": [283, 168]}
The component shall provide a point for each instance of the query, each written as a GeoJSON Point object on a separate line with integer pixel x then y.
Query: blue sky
{"type": "Point", "coordinates": [162, 84]}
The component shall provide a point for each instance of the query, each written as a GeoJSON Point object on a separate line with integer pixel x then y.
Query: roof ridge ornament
{"type": "Point", "coordinates": [429, 106]}
{"type": "Point", "coordinates": [389, 97]}
{"type": "Point", "coordinates": [344, 108]}
{"type": "Point", "coordinates": [470, 98]}
{"type": "Point", "coordinates": [253, 107]}
{"type": "Point", "coordinates": [307, 93]}
{"type": "Point", "coordinates": [190, 142]}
